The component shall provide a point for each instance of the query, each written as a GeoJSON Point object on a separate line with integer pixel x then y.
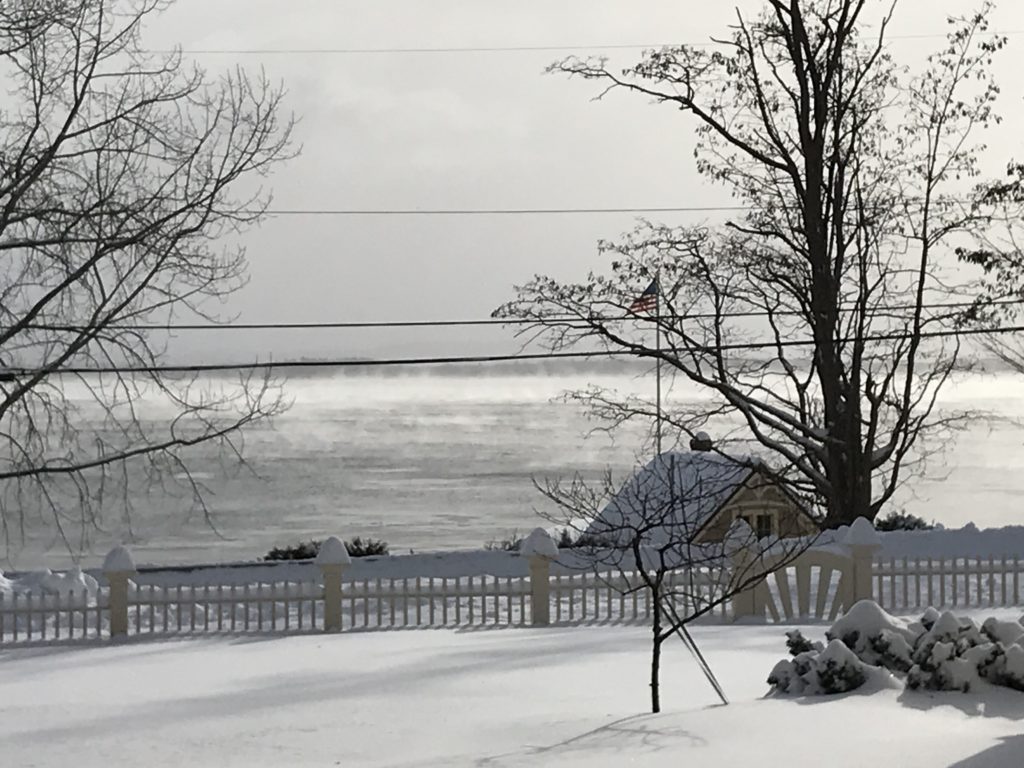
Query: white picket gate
{"type": "Point", "coordinates": [817, 585]}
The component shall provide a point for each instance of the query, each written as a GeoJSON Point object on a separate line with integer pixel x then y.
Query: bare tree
{"type": "Point", "coordinates": [125, 177]}
{"type": "Point", "coordinates": [999, 251]}
{"type": "Point", "coordinates": [810, 317]}
{"type": "Point", "coordinates": [663, 532]}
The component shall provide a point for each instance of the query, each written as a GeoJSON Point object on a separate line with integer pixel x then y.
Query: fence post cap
{"type": "Point", "coordinates": [862, 533]}
{"type": "Point", "coordinates": [333, 552]}
{"type": "Point", "coordinates": [539, 544]}
{"type": "Point", "coordinates": [119, 560]}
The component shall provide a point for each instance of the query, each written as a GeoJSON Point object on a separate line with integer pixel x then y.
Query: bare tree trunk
{"type": "Point", "coordinates": [656, 641]}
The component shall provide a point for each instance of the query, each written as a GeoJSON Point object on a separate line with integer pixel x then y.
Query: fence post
{"type": "Point", "coordinates": [738, 544]}
{"type": "Point", "coordinates": [744, 602]}
{"type": "Point", "coordinates": [332, 559]}
{"type": "Point", "coordinates": [540, 549]}
{"type": "Point", "coordinates": [118, 568]}
{"type": "Point", "coordinates": [863, 541]}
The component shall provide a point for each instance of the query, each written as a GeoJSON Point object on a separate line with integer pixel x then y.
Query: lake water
{"type": "Point", "coordinates": [448, 461]}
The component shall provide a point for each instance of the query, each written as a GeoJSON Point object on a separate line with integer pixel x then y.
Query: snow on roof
{"type": "Point", "coordinates": [674, 495]}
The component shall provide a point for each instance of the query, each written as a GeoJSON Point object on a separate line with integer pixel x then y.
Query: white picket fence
{"type": "Point", "coordinates": [912, 584]}
{"type": "Point", "coordinates": [27, 618]}
{"type": "Point", "coordinates": [297, 606]}
{"type": "Point", "coordinates": [521, 591]}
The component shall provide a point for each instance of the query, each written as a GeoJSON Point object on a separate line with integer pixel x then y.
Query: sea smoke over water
{"type": "Point", "coordinates": [448, 461]}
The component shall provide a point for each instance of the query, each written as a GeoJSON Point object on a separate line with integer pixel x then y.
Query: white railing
{"type": "Point", "coordinates": [326, 596]}
{"type": "Point", "coordinates": [620, 596]}
{"type": "Point", "coordinates": [190, 609]}
{"type": "Point", "coordinates": [42, 617]}
{"type": "Point", "coordinates": [907, 584]}
{"type": "Point", "coordinates": [435, 602]}
{"type": "Point", "coordinates": [517, 590]}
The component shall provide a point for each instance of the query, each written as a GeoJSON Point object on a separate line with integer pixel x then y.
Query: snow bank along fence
{"type": "Point", "coordinates": [537, 586]}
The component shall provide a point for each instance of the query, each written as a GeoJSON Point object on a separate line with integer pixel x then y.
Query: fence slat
{"type": "Point", "coordinates": [917, 592]}
{"type": "Point", "coordinates": [636, 597]}
{"type": "Point", "coordinates": [824, 586]}
{"type": "Point", "coordinates": [522, 601]}
{"type": "Point", "coordinates": [942, 581]}
{"type": "Point", "coordinates": [803, 589]}
{"type": "Point", "coordinates": [785, 597]}
{"type": "Point", "coordinates": [1016, 580]}
{"type": "Point", "coordinates": [892, 584]}
{"type": "Point", "coordinates": [583, 590]}
{"type": "Point", "coordinates": [906, 580]}
{"type": "Point", "coordinates": [991, 581]}
{"type": "Point", "coordinates": [978, 566]}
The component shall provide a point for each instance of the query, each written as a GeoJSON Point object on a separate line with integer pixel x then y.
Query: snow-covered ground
{"type": "Point", "coordinates": [552, 697]}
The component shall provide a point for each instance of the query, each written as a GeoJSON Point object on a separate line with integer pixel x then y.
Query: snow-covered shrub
{"type": "Point", "coordinates": [929, 617]}
{"type": "Point", "coordinates": [902, 521]}
{"type": "Point", "coordinates": [941, 658]}
{"type": "Point", "coordinates": [1005, 632]}
{"type": "Point", "coordinates": [836, 669]}
{"type": "Point", "coordinates": [797, 643]}
{"type": "Point", "coordinates": [308, 550]}
{"type": "Point", "coordinates": [511, 543]}
{"type": "Point", "coordinates": [956, 655]}
{"type": "Point", "coordinates": [876, 637]}
{"type": "Point", "coordinates": [1010, 671]}
{"type": "Point", "coordinates": [941, 652]}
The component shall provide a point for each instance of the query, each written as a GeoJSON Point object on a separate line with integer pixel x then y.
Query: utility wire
{"type": "Point", "coordinates": [879, 310]}
{"type": "Point", "coordinates": [491, 211]}
{"type": "Point", "coordinates": [266, 366]}
{"type": "Point", "coordinates": [548, 211]}
{"type": "Point", "coordinates": [13, 373]}
{"type": "Point", "coordinates": [502, 48]}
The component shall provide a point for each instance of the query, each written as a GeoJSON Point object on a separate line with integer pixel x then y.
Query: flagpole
{"type": "Point", "coordinates": [657, 368]}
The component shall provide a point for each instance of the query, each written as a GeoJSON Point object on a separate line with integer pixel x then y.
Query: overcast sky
{"type": "Point", "coordinates": [467, 130]}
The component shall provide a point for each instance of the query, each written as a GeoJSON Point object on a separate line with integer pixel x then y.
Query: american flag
{"type": "Point", "coordinates": [647, 300]}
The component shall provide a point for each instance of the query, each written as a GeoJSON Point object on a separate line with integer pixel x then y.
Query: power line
{"type": "Point", "coordinates": [499, 48]}
{"type": "Point", "coordinates": [266, 366]}
{"type": "Point", "coordinates": [451, 49]}
{"type": "Point", "coordinates": [14, 373]}
{"type": "Point", "coordinates": [493, 211]}
{"type": "Point", "coordinates": [332, 325]}
{"type": "Point", "coordinates": [542, 211]}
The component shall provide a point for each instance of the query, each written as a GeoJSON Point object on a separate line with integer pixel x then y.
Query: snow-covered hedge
{"type": "Point", "coordinates": [940, 652]}
{"type": "Point", "coordinates": [835, 669]}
